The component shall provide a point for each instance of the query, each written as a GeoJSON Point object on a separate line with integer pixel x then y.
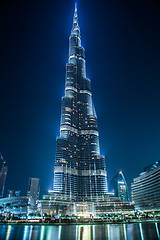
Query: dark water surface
{"type": "Point", "coordinates": [142, 231]}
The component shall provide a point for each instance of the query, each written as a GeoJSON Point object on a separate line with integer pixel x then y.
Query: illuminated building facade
{"type": "Point", "coordinates": [62, 207]}
{"type": "Point", "coordinates": [119, 186]}
{"type": "Point", "coordinates": [15, 204]}
{"type": "Point", "coordinates": [80, 170]}
{"type": "Point", "coordinates": [146, 188]}
{"type": "Point", "coordinates": [3, 174]}
{"type": "Point", "coordinates": [33, 191]}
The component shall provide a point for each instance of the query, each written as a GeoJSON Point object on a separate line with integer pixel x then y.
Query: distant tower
{"type": "Point", "coordinates": [3, 175]}
{"type": "Point", "coordinates": [10, 193]}
{"type": "Point", "coordinates": [33, 191]}
{"type": "Point", "coordinates": [119, 186]}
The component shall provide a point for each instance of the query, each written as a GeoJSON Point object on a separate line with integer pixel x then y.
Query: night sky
{"type": "Point", "coordinates": [122, 42]}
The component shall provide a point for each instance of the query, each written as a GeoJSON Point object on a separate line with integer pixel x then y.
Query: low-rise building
{"type": "Point", "coordinates": [15, 205]}
{"type": "Point", "coordinates": [56, 205]}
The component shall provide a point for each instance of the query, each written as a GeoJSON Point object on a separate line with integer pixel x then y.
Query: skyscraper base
{"type": "Point", "coordinates": [55, 206]}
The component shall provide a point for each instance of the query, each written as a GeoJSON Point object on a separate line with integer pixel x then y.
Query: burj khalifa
{"type": "Point", "coordinates": [80, 171]}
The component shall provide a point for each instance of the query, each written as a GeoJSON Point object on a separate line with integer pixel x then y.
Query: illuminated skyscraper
{"type": "Point", "coordinates": [119, 186]}
{"type": "Point", "coordinates": [80, 170]}
{"type": "Point", "coordinates": [3, 174]}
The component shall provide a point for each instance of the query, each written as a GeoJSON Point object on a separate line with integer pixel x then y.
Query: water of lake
{"type": "Point", "coordinates": [141, 231]}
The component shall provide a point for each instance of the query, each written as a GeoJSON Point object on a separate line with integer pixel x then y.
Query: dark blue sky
{"type": "Point", "coordinates": [122, 42]}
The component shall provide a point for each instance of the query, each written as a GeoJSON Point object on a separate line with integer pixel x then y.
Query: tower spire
{"type": "Point", "coordinates": [75, 18]}
{"type": "Point", "coordinates": [75, 28]}
{"type": "Point", "coordinates": [76, 6]}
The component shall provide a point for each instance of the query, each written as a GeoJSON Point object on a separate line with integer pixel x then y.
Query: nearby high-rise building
{"type": "Point", "coordinates": [3, 175]}
{"type": "Point", "coordinates": [146, 188]}
{"type": "Point", "coordinates": [33, 191]}
{"type": "Point", "coordinates": [80, 170]}
{"type": "Point", "coordinates": [119, 186]}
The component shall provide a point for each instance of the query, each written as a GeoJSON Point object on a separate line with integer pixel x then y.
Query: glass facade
{"type": "Point", "coordinates": [119, 186]}
{"type": "Point", "coordinates": [33, 191]}
{"type": "Point", "coordinates": [80, 170]}
{"type": "Point", "coordinates": [146, 188]}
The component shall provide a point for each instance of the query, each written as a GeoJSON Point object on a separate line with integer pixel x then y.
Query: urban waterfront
{"type": "Point", "coordinates": [83, 200]}
{"type": "Point", "coordinates": [142, 231]}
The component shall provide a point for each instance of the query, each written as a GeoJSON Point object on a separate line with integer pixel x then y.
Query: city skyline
{"type": "Point", "coordinates": [124, 83]}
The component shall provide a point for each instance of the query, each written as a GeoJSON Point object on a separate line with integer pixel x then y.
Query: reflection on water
{"type": "Point", "coordinates": [25, 234]}
{"type": "Point", "coordinates": [124, 229]}
{"type": "Point", "coordinates": [157, 230]}
{"type": "Point", "coordinates": [141, 231]}
{"type": "Point", "coordinates": [8, 232]}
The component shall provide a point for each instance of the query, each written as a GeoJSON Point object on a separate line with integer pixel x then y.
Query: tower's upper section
{"type": "Point", "coordinates": [75, 48]}
{"type": "Point", "coordinates": [75, 27]}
